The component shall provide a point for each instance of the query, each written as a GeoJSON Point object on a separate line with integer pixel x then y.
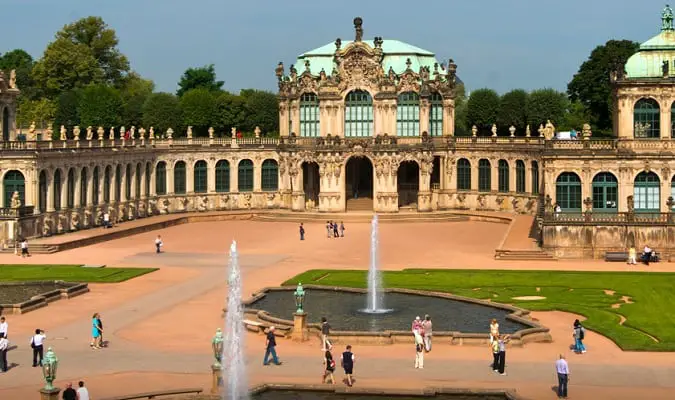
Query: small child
{"type": "Point", "coordinates": [347, 361]}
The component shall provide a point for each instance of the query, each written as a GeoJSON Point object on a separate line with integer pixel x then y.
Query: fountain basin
{"type": "Point", "coordinates": [457, 320]}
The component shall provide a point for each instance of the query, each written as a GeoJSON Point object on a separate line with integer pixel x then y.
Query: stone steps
{"type": "Point", "coordinates": [363, 204]}
{"type": "Point", "coordinates": [358, 217]}
{"type": "Point", "coordinates": [523, 255]}
{"type": "Point", "coordinates": [34, 249]}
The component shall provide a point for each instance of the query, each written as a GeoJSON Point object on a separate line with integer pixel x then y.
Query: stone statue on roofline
{"type": "Point", "coordinates": [667, 19]}
{"type": "Point", "coordinates": [100, 132]}
{"type": "Point", "coordinates": [90, 133]}
{"type": "Point", "coordinates": [12, 79]}
{"type": "Point", "coordinates": [63, 135]}
{"type": "Point", "coordinates": [132, 132]}
{"type": "Point", "coordinates": [549, 130]}
{"type": "Point", "coordinates": [111, 133]}
{"type": "Point", "coordinates": [76, 132]}
{"type": "Point", "coordinates": [152, 133]}
{"type": "Point", "coordinates": [358, 28]}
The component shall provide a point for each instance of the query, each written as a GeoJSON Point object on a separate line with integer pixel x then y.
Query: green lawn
{"type": "Point", "coordinates": [69, 273]}
{"type": "Point", "coordinates": [652, 314]}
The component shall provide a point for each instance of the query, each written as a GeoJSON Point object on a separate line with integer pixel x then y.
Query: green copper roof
{"type": "Point", "coordinates": [648, 62]}
{"type": "Point", "coordinates": [395, 52]}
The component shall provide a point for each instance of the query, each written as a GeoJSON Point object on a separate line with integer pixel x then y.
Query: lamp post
{"type": "Point", "coordinates": [300, 316]}
{"type": "Point", "coordinates": [217, 366]}
{"type": "Point", "coordinates": [50, 364]}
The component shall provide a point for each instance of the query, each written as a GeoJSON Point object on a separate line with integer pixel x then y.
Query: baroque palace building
{"type": "Point", "coordinates": [368, 125]}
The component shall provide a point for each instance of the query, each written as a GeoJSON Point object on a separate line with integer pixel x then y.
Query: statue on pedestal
{"type": "Point", "coordinates": [211, 132]}
{"type": "Point", "coordinates": [152, 133]}
{"type": "Point", "coordinates": [100, 132]}
{"type": "Point", "coordinates": [234, 132]}
{"type": "Point", "coordinates": [512, 131]}
{"type": "Point", "coordinates": [76, 132]}
{"type": "Point", "coordinates": [12, 79]}
{"type": "Point", "coordinates": [141, 133]}
{"type": "Point", "coordinates": [474, 131]}
{"type": "Point", "coordinates": [49, 132]}
{"type": "Point", "coordinates": [257, 132]}
{"type": "Point", "coordinates": [122, 132]}
{"type": "Point", "coordinates": [63, 133]}
{"type": "Point", "coordinates": [494, 130]}
{"type": "Point", "coordinates": [527, 131]}
{"type": "Point", "coordinates": [31, 131]}
{"type": "Point", "coordinates": [90, 133]}
{"type": "Point", "coordinates": [16, 201]}
{"type": "Point", "coordinates": [189, 132]}
{"type": "Point", "coordinates": [169, 133]}
{"type": "Point", "coordinates": [111, 134]}
{"type": "Point", "coordinates": [549, 130]}
{"type": "Point", "coordinates": [132, 132]}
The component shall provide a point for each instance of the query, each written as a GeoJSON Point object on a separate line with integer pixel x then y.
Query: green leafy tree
{"type": "Point", "coordinates": [202, 77]}
{"type": "Point", "coordinates": [199, 110]}
{"type": "Point", "coordinates": [135, 92]}
{"type": "Point", "coordinates": [230, 112]}
{"type": "Point", "coordinates": [262, 110]}
{"type": "Point", "coordinates": [512, 110]}
{"type": "Point", "coordinates": [66, 109]}
{"type": "Point", "coordinates": [591, 85]}
{"type": "Point", "coordinates": [482, 109]}
{"type": "Point", "coordinates": [162, 111]}
{"type": "Point", "coordinates": [461, 126]}
{"type": "Point", "coordinates": [575, 117]}
{"type": "Point", "coordinates": [22, 63]}
{"type": "Point", "coordinates": [100, 105]}
{"type": "Point", "coordinates": [39, 111]}
{"type": "Point", "coordinates": [543, 105]}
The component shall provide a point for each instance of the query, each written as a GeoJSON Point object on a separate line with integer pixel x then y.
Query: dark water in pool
{"type": "Point", "coordinates": [18, 293]}
{"type": "Point", "coordinates": [341, 310]}
{"type": "Point", "coordinates": [302, 395]}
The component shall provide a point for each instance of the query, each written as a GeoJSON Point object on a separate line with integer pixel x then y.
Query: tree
{"type": "Point", "coordinates": [22, 63]}
{"type": "Point", "coordinates": [543, 105]}
{"type": "Point", "coordinates": [262, 110]}
{"type": "Point", "coordinates": [66, 109]}
{"type": "Point", "coordinates": [575, 117]}
{"type": "Point", "coordinates": [162, 111]}
{"type": "Point", "coordinates": [461, 127]}
{"type": "Point", "coordinates": [591, 85]}
{"type": "Point", "coordinates": [100, 105]}
{"type": "Point", "coordinates": [39, 111]}
{"type": "Point", "coordinates": [135, 92]}
{"type": "Point", "coordinates": [482, 108]}
{"type": "Point", "coordinates": [202, 77]}
{"type": "Point", "coordinates": [230, 111]}
{"type": "Point", "coordinates": [512, 110]}
{"type": "Point", "coordinates": [199, 109]}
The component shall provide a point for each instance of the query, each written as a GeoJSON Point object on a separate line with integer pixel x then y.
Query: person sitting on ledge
{"type": "Point", "coordinates": [647, 254]}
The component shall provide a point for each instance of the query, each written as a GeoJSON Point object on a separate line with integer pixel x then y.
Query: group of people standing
{"type": "Point", "coordinates": [334, 230]}
{"type": "Point", "coordinates": [422, 332]}
{"type": "Point", "coordinates": [498, 346]}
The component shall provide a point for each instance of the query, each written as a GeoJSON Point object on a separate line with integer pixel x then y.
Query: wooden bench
{"type": "Point", "coordinates": [158, 393]}
{"type": "Point", "coordinates": [616, 256]}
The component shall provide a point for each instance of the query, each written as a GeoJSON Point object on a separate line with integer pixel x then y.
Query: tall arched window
{"type": "Point", "coordinates": [94, 187]}
{"type": "Point", "coordinates": [270, 175]}
{"type": "Point", "coordinates": [83, 187]}
{"type": "Point", "coordinates": [436, 114]}
{"type": "Point", "coordinates": [14, 182]}
{"type": "Point", "coordinates": [128, 179]}
{"type": "Point", "coordinates": [463, 174]}
{"type": "Point", "coordinates": [201, 177]}
{"type": "Point", "coordinates": [503, 174]}
{"type": "Point", "coordinates": [647, 119]}
{"type": "Point", "coordinates": [179, 178]}
{"type": "Point", "coordinates": [568, 192]}
{"type": "Point", "coordinates": [57, 189]}
{"type": "Point", "coordinates": [107, 178]}
{"type": "Point", "coordinates": [605, 192]}
{"type": "Point", "coordinates": [223, 176]}
{"type": "Point", "coordinates": [408, 114]}
{"type": "Point", "coordinates": [647, 192]}
{"type": "Point", "coordinates": [160, 178]}
{"type": "Point", "coordinates": [148, 177]}
{"type": "Point", "coordinates": [309, 115]}
{"type": "Point", "coordinates": [118, 183]}
{"type": "Point", "coordinates": [358, 114]}
{"type": "Point", "coordinates": [535, 177]}
{"type": "Point", "coordinates": [484, 175]}
{"type": "Point", "coordinates": [245, 175]}
{"type": "Point", "coordinates": [520, 176]}
{"type": "Point", "coordinates": [42, 196]}
{"type": "Point", "coordinates": [138, 181]}
{"type": "Point", "coordinates": [70, 189]}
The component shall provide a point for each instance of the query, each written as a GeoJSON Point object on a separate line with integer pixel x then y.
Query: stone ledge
{"type": "Point", "coordinates": [42, 300]}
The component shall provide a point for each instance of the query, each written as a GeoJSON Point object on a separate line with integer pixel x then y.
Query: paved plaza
{"type": "Point", "coordinates": [160, 325]}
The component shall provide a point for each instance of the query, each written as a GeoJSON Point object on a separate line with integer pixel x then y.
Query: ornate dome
{"type": "Point", "coordinates": [656, 55]}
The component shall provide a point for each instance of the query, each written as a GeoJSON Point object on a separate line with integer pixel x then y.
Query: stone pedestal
{"type": "Point", "coordinates": [299, 333]}
{"type": "Point", "coordinates": [216, 379]}
{"type": "Point", "coordinates": [51, 394]}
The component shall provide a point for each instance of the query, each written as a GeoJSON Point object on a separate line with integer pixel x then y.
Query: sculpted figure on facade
{"type": "Point", "coordinates": [233, 132]}
{"type": "Point", "coordinates": [63, 133]}
{"type": "Point", "coordinates": [12, 79]}
{"type": "Point", "coordinates": [76, 132]}
{"type": "Point", "coordinates": [189, 132]}
{"type": "Point", "coordinates": [527, 131]}
{"type": "Point", "coordinates": [122, 133]}
{"type": "Point", "coordinates": [494, 130]}
{"type": "Point", "coordinates": [74, 221]}
{"type": "Point", "coordinates": [169, 133]}
{"type": "Point", "coordinates": [100, 132]}
{"type": "Point", "coordinates": [358, 28]}
{"type": "Point", "coordinates": [87, 217]}
{"type": "Point", "coordinates": [111, 133]}
{"type": "Point", "coordinates": [90, 133]}
{"type": "Point", "coordinates": [16, 200]}
{"type": "Point", "coordinates": [549, 130]}
{"type": "Point", "coordinates": [132, 132]}
{"type": "Point", "coordinates": [152, 133]}
{"type": "Point", "coordinates": [211, 132]}
{"type": "Point", "coordinates": [31, 131]}
{"type": "Point", "coordinates": [141, 133]}
{"type": "Point", "coordinates": [474, 131]}
{"type": "Point", "coordinates": [47, 226]}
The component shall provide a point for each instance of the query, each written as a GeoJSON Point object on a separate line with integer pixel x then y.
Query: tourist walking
{"type": "Point", "coordinates": [427, 327]}
{"type": "Point", "coordinates": [632, 256]}
{"type": "Point", "coordinates": [494, 330]}
{"type": "Point", "coordinates": [342, 229]}
{"type": "Point", "coordinates": [494, 347]}
{"type": "Point", "coordinates": [158, 244]}
{"type": "Point", "coordinates": [347, 360]}
{"type": "Point", "coordinates": [4, 328]}
{"type": "Point", "coordinates": [419, 350]}
{"type": "Point", "coordinates": [579, 335]}
{"type": "Point", "coordinates": [329, 369]}
{"type": "Point", "coordinates": [82, 391]}
{"type": "Point", "coordinates": [501, 341]}
{"type": "Point", "coordinates": [563, 372]}
{"type": "Point", "coordinates": [270, 348]}
{"type": "Point", "coordinates": [96, 332]}
{"type": "Point", "coordinates": [302, 232]}
{"type": "Point", "coordinates": [4, 347]}
{"type": "Point", "coordinates": [36, 342]}
{"type": "Point", "coordinates": [69, 393]}
{"type": "Point", "coordinates": [325, 331]}
{"type": "Point", "coordinates": [329, 229]}
{"type": "Point", "coordinates": [24, 248]}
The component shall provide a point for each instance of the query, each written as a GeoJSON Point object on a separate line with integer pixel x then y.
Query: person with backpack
{"type": "Point", "coordinates": [579, 335]}
{"type": "Point", "coordinates": [329, 363]}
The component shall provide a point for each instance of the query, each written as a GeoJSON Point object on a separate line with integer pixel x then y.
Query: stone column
{"type": "Point", "coordinates": [169, 177]}
{"type": "Point", "coordinates": [625, 117]}
{"type": "Point", "coordinates": [64, 190]}
{"type": "Point", "coordinates": [283, 118]}
{"type": "Point", "coordinates": [78, 187]}
{"type": "Point", "coordinates": [211, 177]}
{"type": "Point", "coordinates": [31, 192]}
{"type": "Point", "coordinates": [90, 187]}
{"type": "Point", "coordinates": [144, 177]}
{"type": "Point", "coordinates": [295, 116]}
{"type": "Point", "coordinates": [512, 176]}
{"type": "Point", "coordinates": [448, 117]}
{"type": "Point", "coordinates": [123, 181]}
{"type": "Point", "coordinates": [665, 193]}
{"type": "Point", "coordinates": [234, 176]}
{"type": "Point", "coordinates": [424, 115]}
{"type": "Point", "coordinates": [153, 181]}
{"type": "Point", "coordinates": [299, 333]}
{"type": "Point", "coordinates": [424, 192]}
{"type": "Point", "coordinates": [257, 176]}
{"type": "Point", "coordinates": [189, 177]}
{"type": "Point", "coordinates": [494, 176]}
{"type": "Point", "coordinates": [298, 193]}
{"type": "Point", "coordinates": [49, 394]}
{"type": "Point", "coordinates": [665, 121]}
{"type": "Point", "coordinates": [339, 119]}
{"type": "Point", "coordinates": [528, 177]}
{"type": "Point", "coordinates": [50, 191]}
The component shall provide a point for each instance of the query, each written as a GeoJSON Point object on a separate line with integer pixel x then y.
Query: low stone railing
{"type": "Point", "coordinates": [601, 218]}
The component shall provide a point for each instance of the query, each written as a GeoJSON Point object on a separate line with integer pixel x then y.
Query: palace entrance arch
{"type": "Point", "coordinates": [408, 183]}
{"type": "Point", "coordinates": [311, 182]}
{"type": "Point", "coordinates": [359, 184]}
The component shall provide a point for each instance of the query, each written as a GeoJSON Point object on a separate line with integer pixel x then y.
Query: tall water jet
{"type": "Point", "coordinates": [375, 303]}
{"type": "Point", "coordinates": [233, 349]}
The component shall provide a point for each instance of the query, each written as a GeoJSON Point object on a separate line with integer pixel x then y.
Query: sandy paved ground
{"type": "Point", "coordinates": [160, 325]}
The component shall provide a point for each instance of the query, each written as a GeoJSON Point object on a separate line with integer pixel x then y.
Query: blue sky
{"type": "Point", "coordinates": [496, 43]}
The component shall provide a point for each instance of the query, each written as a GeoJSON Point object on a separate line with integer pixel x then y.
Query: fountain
{"type": "Point", "coordinates": [375, 295]}
{"type": "Point", "coordinates": [233, 350]}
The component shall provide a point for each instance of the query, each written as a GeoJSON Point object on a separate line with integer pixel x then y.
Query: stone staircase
{"type": "Point", "coordinates": [523, 255]}
{"type": "Point", "coordinates": [362, 204]}
{"type": "Point", "coordinates": [37, 248]}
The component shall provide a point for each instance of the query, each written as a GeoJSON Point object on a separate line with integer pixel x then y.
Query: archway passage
{"type": "Point", "coordinates": [311, 182]}
{"type": "Point", "coordinates": [359, 184]}
{"type": "Point", "coordinates": [408, 182]}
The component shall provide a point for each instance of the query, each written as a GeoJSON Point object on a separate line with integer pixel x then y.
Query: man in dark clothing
{"type": "Point", "coordinates": [347, 360]}
{"type": "Point", "coordinates": [325, 330]}
{"type": "Point", "coordinates": [270, 344]}
{"type": "Point", "coordinates": [302, 232]}
{"type": "Point", "coordinates": [69, 393]}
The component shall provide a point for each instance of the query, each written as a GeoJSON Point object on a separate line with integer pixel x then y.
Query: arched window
{"type": "Point", "coordinates": [463, 174]}
{"type": "Point", "coordinates": [179, 178]}
{"type": "Point", "coordinates": [138, 181]}
{"type": "Point", "coordinates": [42, 199]}
{"type": "Point", "coordinates": [605, 192]}
{"type": "Point", "coordinates": [408, 114]}
{"type": "Point", "coordinates": [160, 178]}
{"type": "Point", "coordinates": [223, 176]}
{"type": "Point", "coordinates": [435, 114]}
{"type": "Point", "coordinates": [270, 175]}
{"type": "Point", "coordinates": [503, 174]}
{"type": "Point", "coordinates": [118, 183]}
{"type": "Point", "coordinates": [70, 189]}
{"type": "Point", "coordinates": [647, 192]}
{"type": "Point", "coordinates": [484, 175]}
{"type": "Point", "coordinates": [535, 177]}
{"type": "Point", "coordinates": [128, 179]}
{"type": "Point", "coordinates": [568, 192]}
{"type": "Point", "coordinates": [201, 177]}
{"type": "Point", "coordinates": [245, 175]}
{"type": "Point", "coordinates": [358, 114]}
{"type": "Point", "coordinates": [57, 189]}
{"type": "Point", "coordinates": [107, 177]}
{"type": "Point", "coordinates": [14, 182]}
{"type": "Point", "coordinates": [309, 115]}
{"type": "Point", "coordinates": [148, 177]}
{"type": "Point", "coordinates": [83, 187]}
{"type": "Point", "coordinates": [647, 119]}
{"type": "Point", "coordinates": [520, 176]}
{"type": "Point", "coordinates": [94, 187]}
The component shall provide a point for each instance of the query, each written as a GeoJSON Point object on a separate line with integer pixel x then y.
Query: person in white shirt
{"type": "Point", "coordinates": [4, 328]}
{"type": "Point", "coordinates": [82, 392]}
{"type": "Point", "coordinates": [158, 244]}
{"type": "Point", "coordinates": [106, 220]}
{"type": "Point", "coordinates": [563, 371]}
{"type": "Point", "coordinates": [647, 255]}
{"type": "Point", "coordinates": [4, 346]}
{"type": "Point", "coordinates": [36, 342]}
{"type": "Point", "coordinates": [24, 248]}
{"type": "Point", "coordinates": [419, 350]}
